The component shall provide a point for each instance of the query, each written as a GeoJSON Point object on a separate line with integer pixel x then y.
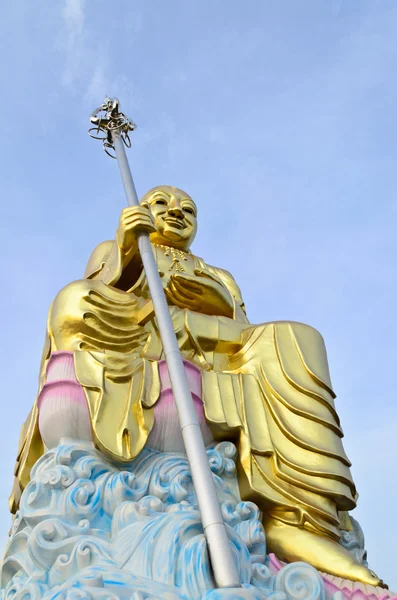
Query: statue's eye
{"type": "Point", "coordinates": [159, 201]}
{"type": "Point", "coordinates": [188, 210]}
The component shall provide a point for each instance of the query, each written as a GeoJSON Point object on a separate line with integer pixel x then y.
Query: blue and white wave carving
{"type": "Point", "coordinates": [90, 530]}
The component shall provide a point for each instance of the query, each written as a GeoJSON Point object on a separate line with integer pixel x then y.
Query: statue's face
{"type": "Point", "coordinates": [175, 216]}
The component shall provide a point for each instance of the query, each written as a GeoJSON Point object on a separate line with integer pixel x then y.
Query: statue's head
{"type": "Point", "coordinates": [175, 216]}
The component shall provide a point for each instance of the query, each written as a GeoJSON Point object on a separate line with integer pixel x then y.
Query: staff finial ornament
{"type": "Point", "coordinates": [108, 119]}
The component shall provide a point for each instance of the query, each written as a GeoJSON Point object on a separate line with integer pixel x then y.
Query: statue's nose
{"type": "Point", "coordinates": [175, 211]}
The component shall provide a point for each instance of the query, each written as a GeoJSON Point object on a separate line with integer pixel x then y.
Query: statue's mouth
{"type": "Point", "coordinates": [177, 223]}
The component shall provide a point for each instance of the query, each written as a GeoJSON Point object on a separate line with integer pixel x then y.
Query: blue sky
{"type": "Point", "coordinates": [279, 118]}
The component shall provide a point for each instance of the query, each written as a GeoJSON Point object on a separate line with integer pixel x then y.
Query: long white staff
{"type": "Point", "coordinates": [115, 126]}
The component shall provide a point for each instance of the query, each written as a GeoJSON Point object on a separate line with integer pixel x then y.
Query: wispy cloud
{"type": "Point", "coordinates": [97, 87]}
{"type": "Point", "coordinates": [102, 84]}
{"type": "Point", "coordinates": [87, 58]}
{"type": "Point", "coordinates": [73, 39]}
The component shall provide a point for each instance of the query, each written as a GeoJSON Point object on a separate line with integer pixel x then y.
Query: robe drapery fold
{"type": "Point", "coordinates": [266, 387]}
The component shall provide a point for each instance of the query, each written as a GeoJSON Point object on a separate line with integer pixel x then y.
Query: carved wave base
{"type": "Point", "coordinates": [89, 530]}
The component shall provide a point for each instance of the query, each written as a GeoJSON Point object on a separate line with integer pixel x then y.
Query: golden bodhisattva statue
{"type": "Point", "coordinates": [266, 387]}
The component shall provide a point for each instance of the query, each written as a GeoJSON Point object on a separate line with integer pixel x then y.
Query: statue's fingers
{"type": "Point", "coordinates": [181, 299]}
{"type": "Point", "coordinates": [129, 210]}
{"type": "Point", "coordinates": [186, 292]}
{"type": "Point", "coordinates": [176, 293]}
{"type": "Point", "coordinates": [180, 295]}
{"type": "Point", "coordinates": [128, 217]}
{"type": "Point", "coordinates": [171, 297]}
{"type": "Point", "coordinates": [140, 222]}
{"type": "Point", "coordinates": [148, 227]}
{"type": "Point", "coordinates": [138, 215]}
{"type": "Point", "coordinates": [136, 218]}
{"type": "Point", "coordinates": [184, 304]}
{"type": "Point", "coordinates": [168, 294]}
{"type": "Point", "coordinates": [188, 283]}
{"type": "Point", "coordinates": [208, 276]}
{"type": "Point", "coordinates": [142, 210]}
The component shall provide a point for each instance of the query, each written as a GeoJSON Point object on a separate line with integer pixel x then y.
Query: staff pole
{"type": "Point", "coordinates": [115, 126]}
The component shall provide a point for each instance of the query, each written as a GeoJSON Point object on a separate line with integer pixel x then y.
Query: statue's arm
{"type": "Point", "coordinates": [105, 263]}
{"type": "Point", "coordinates": [111, 265]}
{"type": "Point", "coordinates": [118, 262]}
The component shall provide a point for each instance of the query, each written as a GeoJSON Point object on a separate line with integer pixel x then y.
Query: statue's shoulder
{"type": "Point", "coordinates": [222, 273]}
{"type": "Point", "coordinates": [98, 258]}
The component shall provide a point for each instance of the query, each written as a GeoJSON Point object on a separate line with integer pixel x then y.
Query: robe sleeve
{"type": "Point", "coordinates": [105, 263]}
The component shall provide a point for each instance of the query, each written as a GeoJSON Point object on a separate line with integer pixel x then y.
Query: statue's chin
{"type": "Point", "coordinates": [170, 236]}
{"type": "Point", "coordinates": [174, 235]}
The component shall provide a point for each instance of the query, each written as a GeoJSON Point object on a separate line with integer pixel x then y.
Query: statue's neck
{"type": "Point", "coordinates": [166, 249]}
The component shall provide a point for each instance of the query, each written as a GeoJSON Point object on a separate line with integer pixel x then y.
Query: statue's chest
{"type": "Point", "coordinates": [171, 261]}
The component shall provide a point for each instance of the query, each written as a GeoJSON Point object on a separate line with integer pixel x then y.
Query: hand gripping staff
{"type": "Point", "coordinates": [113, 127]}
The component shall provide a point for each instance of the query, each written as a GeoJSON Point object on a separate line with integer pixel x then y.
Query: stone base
{"type": "Point", "coordinates": [245, 593]}
{"type": "Point", "coordinates": [89, 529]}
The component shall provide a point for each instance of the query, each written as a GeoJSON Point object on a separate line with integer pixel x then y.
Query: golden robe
{"type": "Point", "coordinates": [265, 387]}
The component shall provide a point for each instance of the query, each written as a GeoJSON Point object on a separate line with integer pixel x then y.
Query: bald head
{"type": "Point", "coordinates": [175, 216]}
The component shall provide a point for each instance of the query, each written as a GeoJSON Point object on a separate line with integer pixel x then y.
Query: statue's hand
{"type": "Point", "coordinates": [201, 294]}
{"type": "Point", "coordinates": [133, 220]}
